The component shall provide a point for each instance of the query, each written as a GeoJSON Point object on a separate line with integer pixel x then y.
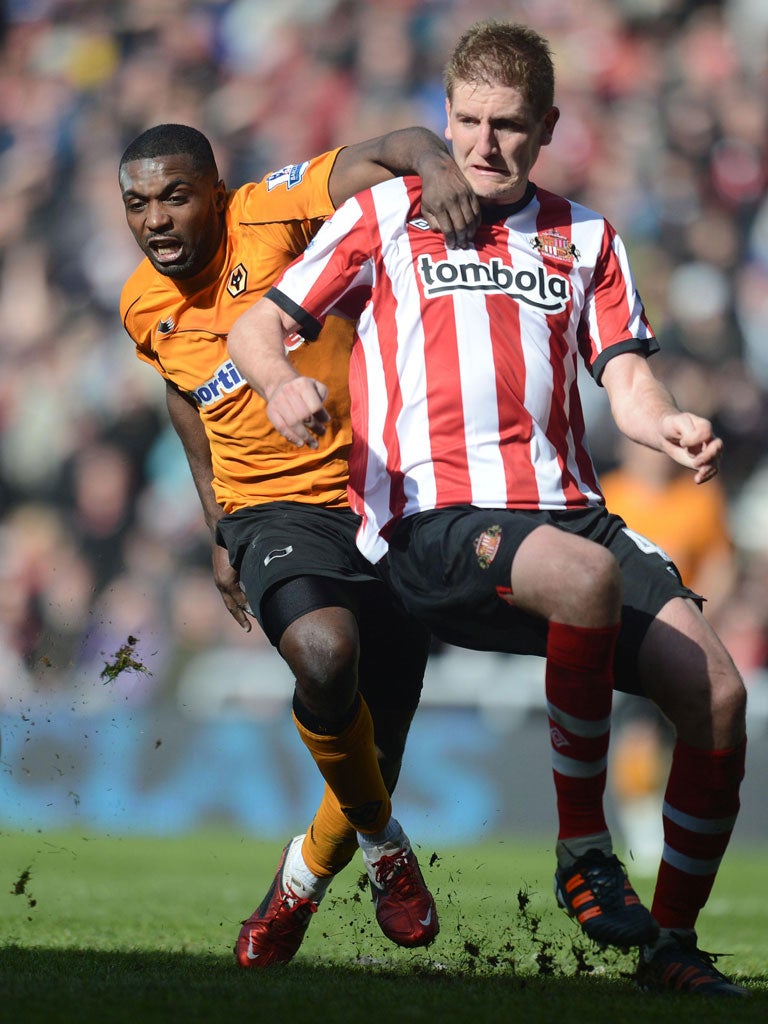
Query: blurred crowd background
{"type": "Point", "coordinates": [663, 130]}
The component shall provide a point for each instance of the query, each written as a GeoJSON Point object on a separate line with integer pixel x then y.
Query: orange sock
{"type": "Point", "coordinates": [349, 765]}
{"type": "Point", "coordinates": [330, 842]}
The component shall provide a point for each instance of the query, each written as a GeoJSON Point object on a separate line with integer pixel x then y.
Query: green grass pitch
{"type": "Point", "coordinates": [133, 929]}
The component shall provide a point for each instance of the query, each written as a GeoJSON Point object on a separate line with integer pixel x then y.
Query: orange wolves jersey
{"type": "Point", "coordinates": [181, 328]}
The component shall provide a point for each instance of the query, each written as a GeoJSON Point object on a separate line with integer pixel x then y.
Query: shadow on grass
{"type": "Point", "coordinates": [68, 986]}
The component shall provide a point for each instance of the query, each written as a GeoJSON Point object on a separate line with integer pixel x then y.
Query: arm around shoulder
{"type": "Point", "coordinates": [449, 204]}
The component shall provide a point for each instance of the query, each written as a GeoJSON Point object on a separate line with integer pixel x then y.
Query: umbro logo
{"type": "Point", "coordinates": [557, 738]}
{"type": "Point", "coordinates": [278, 553]}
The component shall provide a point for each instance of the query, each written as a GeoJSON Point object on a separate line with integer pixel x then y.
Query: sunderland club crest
{"type": "Point", "coordinates": [487, 545]}
{"type": "Point", "coordinates": [555, 245]}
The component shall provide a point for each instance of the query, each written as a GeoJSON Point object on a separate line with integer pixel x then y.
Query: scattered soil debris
{"type": "Point", "coordinates": [20, 887]}
{"type": "Point", "coordinates": [123, 661]}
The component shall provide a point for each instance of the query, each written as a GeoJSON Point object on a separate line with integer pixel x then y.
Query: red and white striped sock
{"type": "Point", "coordinates": [579, 691]}
{"type": "Point", "coordinates": [700, 808]}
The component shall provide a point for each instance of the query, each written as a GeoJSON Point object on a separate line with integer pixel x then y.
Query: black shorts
{"type": "Point", "coordinates": [294, 559]}
{"type": "Point", "coordinates": [448, 565]}
{"type": "Point", "coordinates": [278, 541]}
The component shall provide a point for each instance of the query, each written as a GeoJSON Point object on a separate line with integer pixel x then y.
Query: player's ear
{"type": "Point", "coordinates": [550, 119]}
{"type": "Point", "coordinates": [220, 196]}
{"type": "Point", "coordinates": [448, 119]}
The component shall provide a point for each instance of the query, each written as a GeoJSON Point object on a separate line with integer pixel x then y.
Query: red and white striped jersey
{"type": "Point", "coordinates": [463, 373]}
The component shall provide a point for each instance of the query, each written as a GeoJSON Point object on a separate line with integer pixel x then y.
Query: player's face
{"type": "Point", "coordinates": [496, 138]}
{"type": "Point", "coordinates": [174, 213]}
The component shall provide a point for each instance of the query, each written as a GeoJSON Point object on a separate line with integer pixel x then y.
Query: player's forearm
{"type": "Point", "coordinates": [405, 151]}
{"type": "Point", "coordinates": [189, 427]}
{"type": "Point", "coordinates": [646, 412]}
{"type": "Point", "coordinates": [639, 400]}
{"type": "Point", "coordinates": [411, 151]}
{"type": "Point", "coordinates": [640, 413]}
{"type": "Point", "coordinates": [447, 203]}
{"type": "Point", "coordinates": [202, 475]}
{"type": "Point", "coordinates": [256, 344]}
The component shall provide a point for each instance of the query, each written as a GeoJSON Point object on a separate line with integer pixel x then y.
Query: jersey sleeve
{"type": "Point", "coordinates": [295, 192]}
{"type": "Point", "coordinates": [334, 274]}
{"type": "Point", "coordinates": [614, 319]}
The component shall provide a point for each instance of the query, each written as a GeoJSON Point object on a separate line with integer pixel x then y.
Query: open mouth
{"type": "Point", "coordinates": [165, 250]}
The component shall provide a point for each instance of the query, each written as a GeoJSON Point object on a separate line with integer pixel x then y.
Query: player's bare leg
{"type": "Point", "coordinates": [687, 671]}
{"type": "Point", "coordinates": [576, 585]}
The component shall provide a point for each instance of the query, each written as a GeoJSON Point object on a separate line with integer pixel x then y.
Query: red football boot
{"type": "Point", "coordinates": [275, 930]}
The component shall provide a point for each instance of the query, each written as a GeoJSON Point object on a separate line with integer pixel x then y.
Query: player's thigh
{"type": "Point", "coordinates": [394, 648]}
{"type": "Point", "coordinates": [295, 559]}
{"type": "Point", "coordinates": [566, 578]}
{"type": "Point", "coordinates": [650, 582]}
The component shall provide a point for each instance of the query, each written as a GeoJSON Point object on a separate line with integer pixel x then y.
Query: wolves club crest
{"type": "Point", "coordinates": [238, 281]}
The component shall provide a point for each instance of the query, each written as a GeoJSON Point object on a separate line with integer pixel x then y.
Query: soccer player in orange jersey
{"type": "Point", "coordinates": [284, 535]}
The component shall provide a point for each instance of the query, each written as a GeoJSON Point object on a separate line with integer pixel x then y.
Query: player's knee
{"type": "Point", "coordinates": [606, 572]}
{"type": "Point", "coordinates": [729, 708]}
{"type": "Point", "coordinates": [324, 663]}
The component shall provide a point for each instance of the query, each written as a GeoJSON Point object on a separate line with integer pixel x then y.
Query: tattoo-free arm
{"type": "Point", "coordinates": [448, 203]}
{"type": "Point", "coordinates": [646, 412]}
{"type": "Point", "coordinates": [294, 403]}
{"type": "Point", "coordinates": [188, 425]}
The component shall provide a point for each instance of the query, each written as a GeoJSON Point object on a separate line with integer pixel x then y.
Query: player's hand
{"type": "Point", "coordinates": [295, 409]}
{"type": "Point", "coordinates": [448, 204]}
{"type": "Point", "coordinates": [689, 440]}
{"type": "Point", "coordinates": [228, 582]}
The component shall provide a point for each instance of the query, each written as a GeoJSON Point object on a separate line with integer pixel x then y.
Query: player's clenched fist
{"type": "Point", "coordinates": [296, 410]}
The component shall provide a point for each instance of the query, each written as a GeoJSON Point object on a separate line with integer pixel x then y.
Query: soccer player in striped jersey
{"type": "Point", "coordinates": [284, 533]}
{"type": "Point", "coordinates": [479, 500]}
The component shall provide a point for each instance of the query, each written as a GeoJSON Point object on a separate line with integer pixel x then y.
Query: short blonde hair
{"type": "Point", "coordinates": [502, 52]}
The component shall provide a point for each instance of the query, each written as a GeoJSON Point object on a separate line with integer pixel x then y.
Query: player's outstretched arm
{"type": "Point", "coordinates": [646, 412]}
{"type": "Point", "coordinates": [448, 203]}
{"type": "Point", "coordinates": [294, 403]}
{"type": "Point", "coordinates": [188, 425]}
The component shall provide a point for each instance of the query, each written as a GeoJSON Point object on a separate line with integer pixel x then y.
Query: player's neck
{"type": "Point", "coordinates": [493, 212]}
